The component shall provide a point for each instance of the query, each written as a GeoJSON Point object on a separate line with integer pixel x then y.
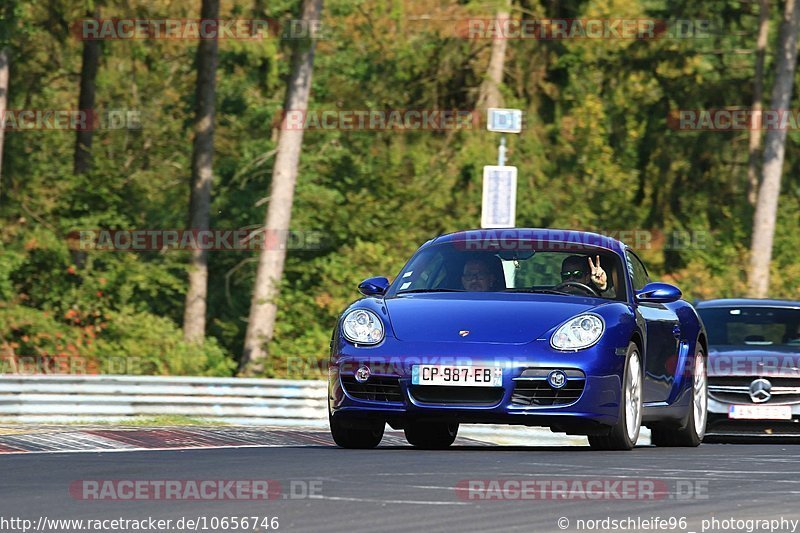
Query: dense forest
{"type": "Point", "coordinates": [599, 151]}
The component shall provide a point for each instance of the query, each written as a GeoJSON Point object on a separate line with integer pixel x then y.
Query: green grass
{"type": "Point", "coordinates": [139, 421]}
{"type": "Point", "coordinates": [169, 420]}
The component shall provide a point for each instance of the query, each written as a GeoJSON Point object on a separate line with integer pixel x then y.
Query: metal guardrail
{"type": "Point", "coordinates": [279, 402]}
{"type": "Point", "coordinates": [60, 398]}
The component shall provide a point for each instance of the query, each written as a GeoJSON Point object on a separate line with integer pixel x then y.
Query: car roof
{"type": "Point", "coordinates": [748, 302]}
{"type": "Point", "coordinates": [537, 234]}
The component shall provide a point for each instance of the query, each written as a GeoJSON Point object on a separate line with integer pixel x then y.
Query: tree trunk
{"type": "Point", "coordinates": [83, 141]}
{"type": "Point", "coordinates": [3, 105]}
{"type": "Point", "coordinates": [263, 307]}
{"type": "Point", "coordinates": [194, 316]}
{"type": "Point", "coordinates": [489, 95]}
{"type": "Point", "coordinates": [754, 146]}
{"type": "Point", "coordinates": [775, 141]}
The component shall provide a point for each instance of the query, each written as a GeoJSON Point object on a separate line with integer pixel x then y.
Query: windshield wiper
{"type": "Point", "coordinates": [540, 291]}
{"type": "Point", "coordinates": [429, 290]}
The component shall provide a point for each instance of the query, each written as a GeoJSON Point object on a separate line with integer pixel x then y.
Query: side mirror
{"type": "Point", "coordinates": [660, 293]}
{"type": "Point", "coordinates": [373, 286]}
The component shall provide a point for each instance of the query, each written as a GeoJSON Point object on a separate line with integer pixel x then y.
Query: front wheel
{"type": "Point", "coordinates": [692, 433]}
{"type": "Point", "coordinates": [361, 436]}
{"type": "Point", "coordinates": [431, 435]}
{"type": "Point", "coordinates": [624, 434]}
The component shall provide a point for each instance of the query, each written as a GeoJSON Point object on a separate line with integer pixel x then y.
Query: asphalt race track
{"type": "Point", "coordinates": [398, 488]}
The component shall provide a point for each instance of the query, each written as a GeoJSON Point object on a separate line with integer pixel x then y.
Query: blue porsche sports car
{"type": "Point", "coordinates": [562, 329]}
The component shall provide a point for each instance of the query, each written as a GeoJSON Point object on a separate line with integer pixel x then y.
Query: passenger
{"type": "Point", "coordinates": [582, 269]}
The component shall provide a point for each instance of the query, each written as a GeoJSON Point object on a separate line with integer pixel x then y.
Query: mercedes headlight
{"type": "Point", "coordinates": [361, 326]}
{"type": "Point", "coordinates": [578, 333]}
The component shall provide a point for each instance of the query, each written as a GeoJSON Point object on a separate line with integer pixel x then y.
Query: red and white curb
{"type": "Point", "coordinates": [19, 439]}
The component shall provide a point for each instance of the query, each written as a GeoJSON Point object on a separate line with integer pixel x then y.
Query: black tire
{"type": "Point", "coordinates": [365, 435]}
{"type": "Point", "coordinates": [431, 435]}
{"type": "Point", "coordinates": [618, 437]}
{"type": "Point", "coordinates": [689, 435]}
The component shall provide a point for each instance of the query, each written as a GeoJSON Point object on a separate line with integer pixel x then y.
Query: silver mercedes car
{"type": "Point", "coordinates": [753, 368]}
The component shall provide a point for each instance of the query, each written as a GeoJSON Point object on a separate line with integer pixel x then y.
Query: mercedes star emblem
{"type": "Point", "coordinates": [760, 390]}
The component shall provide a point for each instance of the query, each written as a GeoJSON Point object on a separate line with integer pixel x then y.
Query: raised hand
{"type": "Point", "coordinates": [599, 277]}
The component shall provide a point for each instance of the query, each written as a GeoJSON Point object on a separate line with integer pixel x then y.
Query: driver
{"type": "Point", "coordinates": [792, 338]}
{"type": "Point", "coordinates": [582, 269]}
{"type": "Point", "coordinates": [477, 276]}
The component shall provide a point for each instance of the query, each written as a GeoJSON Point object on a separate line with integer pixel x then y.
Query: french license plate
{"type": "Point", "coordinates": [760, 412]}
{"type": "Point", "coordinates": [463, 376]}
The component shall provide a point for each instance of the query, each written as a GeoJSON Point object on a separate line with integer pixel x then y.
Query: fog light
{"type": "Point", "coordinates": [362, 374]}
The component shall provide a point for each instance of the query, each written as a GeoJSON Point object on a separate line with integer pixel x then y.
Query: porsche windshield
{"type": "Point", "coordinates": [448, 267]}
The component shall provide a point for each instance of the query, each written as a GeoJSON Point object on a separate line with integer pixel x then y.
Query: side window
{"type": "Point", "coordinates": [423, 274]}
{"type": "Point", "coordinates": [639, 275]}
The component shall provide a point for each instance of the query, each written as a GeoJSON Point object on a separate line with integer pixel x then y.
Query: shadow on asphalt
{"type": "Point", "coordinates": [484, 448]}
{"type": "Point", "coordinates": [751, 440]}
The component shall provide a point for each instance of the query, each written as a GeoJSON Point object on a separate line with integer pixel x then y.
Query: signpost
{"type": "Point", "coordinates": [499, 204]}
{"type": "Point", "coordinates": [504, 120]}
{"type": "Point", "coordinates": [499, 197]}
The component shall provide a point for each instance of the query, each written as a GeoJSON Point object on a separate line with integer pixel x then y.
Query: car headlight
{"type": "Point", "coordinates": [578, 333]}
{"type": "Point", "coordinates": [361, 326]}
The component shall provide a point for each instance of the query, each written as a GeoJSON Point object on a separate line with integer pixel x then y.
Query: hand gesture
{"type": "Point", "coordinates": [598, 274]}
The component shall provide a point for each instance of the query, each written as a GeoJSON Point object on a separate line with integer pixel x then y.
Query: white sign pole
{"type": "Point", "coordinates": [499, 204]}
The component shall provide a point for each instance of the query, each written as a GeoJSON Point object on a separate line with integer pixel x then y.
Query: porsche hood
{"type": "Point", "coordinates": [480, 318]}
